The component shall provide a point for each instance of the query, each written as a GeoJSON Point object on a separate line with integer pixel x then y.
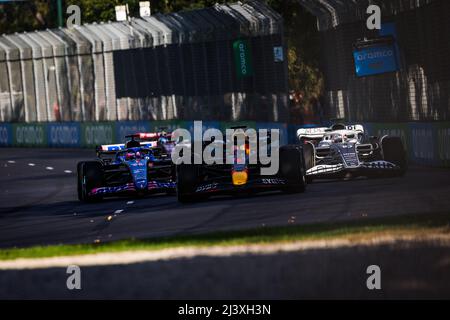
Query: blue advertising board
{"type": "Point", "coordinates": [64, 134]}
{"type": "Point", "coordinates": [423, 142]}
{"type": "Point", "coordinates": [5, 134]}
{"type": "Point", "coordinates": [375, 60]}
{"type": "Point", "coordinates": [130, 127]}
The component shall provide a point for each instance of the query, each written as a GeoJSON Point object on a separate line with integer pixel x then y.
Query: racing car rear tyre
{"type": "Point", "coordinates": [292, 168]}
{"type": "Point", "coordinates": [308, 156]}
{"type": "Point", "coordinates": [394, 152]}
{"type": "Point", "coordinates": [90, 176]}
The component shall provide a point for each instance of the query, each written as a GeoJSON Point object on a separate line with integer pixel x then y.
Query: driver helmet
{"type": "Point", "coordinates": [129, 155]}
{"type": "Point", "coordinates": [337, 138]}
{"type": "Point", "coordinates": [163, 140]}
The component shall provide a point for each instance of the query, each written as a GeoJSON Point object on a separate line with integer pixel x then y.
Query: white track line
{"type": "Point", "coordinates": [31, 164]}
{"type": "Point", "coordinates": [67, 171]}
{"type": "Point", "coordinates": [11, 161]}
{"type": "Point", "coordinates": [49, 168]}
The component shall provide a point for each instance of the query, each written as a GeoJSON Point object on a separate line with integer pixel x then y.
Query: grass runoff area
{"type": "Point", "coordinates": [358, 230]}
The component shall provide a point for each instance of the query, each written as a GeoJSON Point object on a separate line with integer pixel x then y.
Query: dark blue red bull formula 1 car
{"type": "Point", "coordinates": [238, 176]}
{"type": "Point", "coordinates": [140, 166]}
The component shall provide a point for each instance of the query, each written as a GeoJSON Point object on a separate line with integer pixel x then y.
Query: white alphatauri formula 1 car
{"type": "Point", "coordinates": [343, 151]}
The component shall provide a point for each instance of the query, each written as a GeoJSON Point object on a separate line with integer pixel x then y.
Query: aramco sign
{"type": "Point", "coordinates": [242, 58]}
{"type": "Point", "coordinates": [375, 60]}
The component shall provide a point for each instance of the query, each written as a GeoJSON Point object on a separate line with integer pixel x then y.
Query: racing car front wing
{"type": "Point", "coordinates": [251, 185]}
{"type": "Point", "coordinates": [329, 170]}
{"type": "Point", "coordinates": [152, 186]}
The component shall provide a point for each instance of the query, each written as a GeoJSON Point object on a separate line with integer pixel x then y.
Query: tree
{"type": "Point", "coordinates": [26, 16]}
{"type": "Point", "coordinates": [305, 78]}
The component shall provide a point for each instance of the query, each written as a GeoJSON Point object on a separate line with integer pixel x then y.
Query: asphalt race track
{"type": "Point", "coordinates": [39, 205]}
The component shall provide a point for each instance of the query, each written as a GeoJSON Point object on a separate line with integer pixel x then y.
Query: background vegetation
{"type": "Point", "coordinates": [305, 79]}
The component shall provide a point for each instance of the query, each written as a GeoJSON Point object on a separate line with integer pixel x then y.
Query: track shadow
{"type": "Point", "coordinates": [408, 271]}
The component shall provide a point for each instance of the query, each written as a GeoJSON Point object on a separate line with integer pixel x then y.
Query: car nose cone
{"type": "Point", "coordinates": [141, 185]}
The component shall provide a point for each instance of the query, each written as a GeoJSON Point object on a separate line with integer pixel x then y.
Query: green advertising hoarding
{"type": "Point", "coordinates": [94, 134]}
{"type": "Point", "coordinates": [243, 58]}
{"type": "Point", "coordinates": [169, 125]}
{"type": "Point", "coordinates": [29, 135]}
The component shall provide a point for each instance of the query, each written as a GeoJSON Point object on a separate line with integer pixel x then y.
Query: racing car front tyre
{"type": "Point", "coordinates": [394, 152]}
{"type": "Point", "coordinates": [308, 157]}
{"type": "Point", "coordinates": [90, 176]}
{"type": "Point", "coordinates": [292, 168]}
{"type": "Point", "coordinates": [187, 180]}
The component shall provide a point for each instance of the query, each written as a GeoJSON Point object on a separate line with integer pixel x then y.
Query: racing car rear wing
{"type": "Point", "coordinates": [311, 133]}
{"type": "Point", "coordinates": [318, 133]}
{"type": "Point", "coordinates": [152, 136]}
{"type": "Point", "coordinates": [356, 127]}
{"type": "Point", "coordinates": [112, 148]}
{"type": "Point", "coordinates": [147, 139]}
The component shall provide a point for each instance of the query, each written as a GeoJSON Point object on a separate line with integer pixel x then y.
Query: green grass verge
{"type": "Point", "coordinates": [359, 228]}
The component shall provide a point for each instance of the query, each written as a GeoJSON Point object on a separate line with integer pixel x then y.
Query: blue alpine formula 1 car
{"type": "Point", "coordinates": [141, 166]}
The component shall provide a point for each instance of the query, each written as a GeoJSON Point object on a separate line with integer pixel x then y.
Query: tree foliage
{"type": "Point", "coordinates": [305, 78]}
{"type": "Point", "coordinates": [303, 53]}
{"type": "Point", "coordinates": [26, 16]}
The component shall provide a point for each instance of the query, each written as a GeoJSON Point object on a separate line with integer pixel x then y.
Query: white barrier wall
{"type": "Point", "coordinates": [174, 66]}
